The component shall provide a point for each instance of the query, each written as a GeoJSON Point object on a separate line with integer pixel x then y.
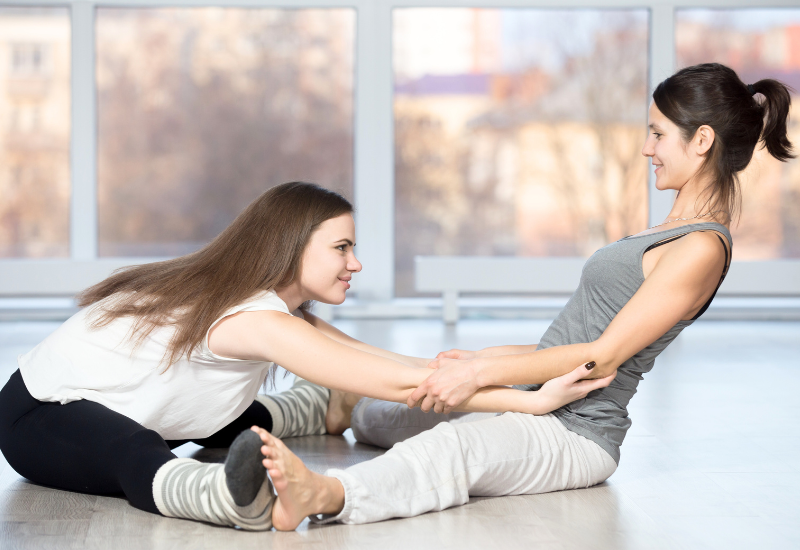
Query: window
{"type": "Point", "coordinates": [202, 109]}
{"type": "Point", "coordinates": [34, 132]}
{"type": "Point", "coordinates": [28, 60]}
{"type": "Point", "coordinates": [756, 43]}
{"type": "Point", "coordinates": [517, 131]}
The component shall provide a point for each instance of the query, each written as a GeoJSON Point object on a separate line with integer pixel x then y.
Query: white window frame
{"type": "Point", "coordinates": [374, 144]}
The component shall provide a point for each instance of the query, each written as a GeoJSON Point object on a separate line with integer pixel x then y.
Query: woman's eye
{"type": "Point", "coordinates": [657, 135]}
{"type": "Point", "coordinates": [341, 247]}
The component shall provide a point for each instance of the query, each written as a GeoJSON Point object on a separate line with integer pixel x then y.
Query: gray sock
{"type": "Point", "coordinates": [244, 472]}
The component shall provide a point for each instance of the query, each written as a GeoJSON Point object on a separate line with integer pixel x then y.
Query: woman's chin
{"type": "Point", "coordinates": [332, 300]}
{"type": "Point", "coordinates": [663, 186]}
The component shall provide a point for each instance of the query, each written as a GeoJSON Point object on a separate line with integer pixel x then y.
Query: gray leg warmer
{"type": "Point", "coordinates": [186, 488]}
{"type": "Point", "coordinates": [298, 411]}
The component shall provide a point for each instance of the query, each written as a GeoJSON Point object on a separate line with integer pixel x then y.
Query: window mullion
{"type": "Point", "coordinates": [374, 159]}
{"type": "Point", "coordinates": [83, 148]}
{"type": "Point", "coordinates": [662, 65]}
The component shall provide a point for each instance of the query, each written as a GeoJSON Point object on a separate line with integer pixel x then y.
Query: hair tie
{"type": "Point", "coordinates": [751, 89]}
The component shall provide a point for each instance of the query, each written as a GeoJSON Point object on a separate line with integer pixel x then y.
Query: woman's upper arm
{"type": "Point", "coordinates": [685, 277]}
{"type": "Point", "coordinates": [305, 351]}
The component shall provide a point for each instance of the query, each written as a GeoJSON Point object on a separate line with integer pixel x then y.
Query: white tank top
{"type": "Point", "coordinates": [192, 399]}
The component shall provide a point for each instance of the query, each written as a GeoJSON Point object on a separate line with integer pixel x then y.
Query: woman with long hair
{"type": "Point", "coordinates": [635, 296]}
{"type": "Point", "coordinates": [176, 351]}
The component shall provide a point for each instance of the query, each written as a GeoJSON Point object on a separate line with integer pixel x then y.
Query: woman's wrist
{"type": "Point", "coordinates": [534, 403]}
{"type": "Point", "coordinates": [419, 362]}
{"type": "Point", "coordinates": [479, 366]}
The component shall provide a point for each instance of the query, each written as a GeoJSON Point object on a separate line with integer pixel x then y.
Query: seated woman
{"type": "Point", "coordinates": [174, 351]}
{"type": "Point", "coordinates": [635, 296]}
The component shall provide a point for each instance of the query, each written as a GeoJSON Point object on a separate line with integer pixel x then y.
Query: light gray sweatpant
{"type": "Point", "coordinates": [437, 461]}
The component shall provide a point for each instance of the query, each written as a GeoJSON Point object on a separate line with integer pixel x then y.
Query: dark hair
{"type": "Point", "coordinates": [261, 249]}
{"type": "Point", "coordinates": [712, 94]}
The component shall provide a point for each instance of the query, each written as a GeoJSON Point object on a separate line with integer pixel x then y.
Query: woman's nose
{"type": "Point", "coordinates": [647, 148]}
{"type": "Point", "coordinates": [354, 265]}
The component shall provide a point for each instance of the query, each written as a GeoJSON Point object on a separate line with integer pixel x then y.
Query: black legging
{"type": "Point", "coordinates": [86, 447]}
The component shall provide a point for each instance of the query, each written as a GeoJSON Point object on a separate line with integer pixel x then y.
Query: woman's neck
{"type": "Point", "coordinates": [692, 202]}
{"type": "Point", "coordinates": [291, 295]}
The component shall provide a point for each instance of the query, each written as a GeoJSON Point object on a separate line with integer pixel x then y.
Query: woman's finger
{"type": "Point", "coordinates": [411, 403]}
{"type": "Point", "coordinates": [427, 404]}
{"type": "Point", "coordinates": [578, 373]}
{"type": "Point", "coordinates": [418, 394]}
{"type": "Point", "coordinates": [593, 384]}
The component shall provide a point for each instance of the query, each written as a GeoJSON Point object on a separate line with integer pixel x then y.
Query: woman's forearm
{"type": "Point", "coordinates": [507, 350]}
{"type": "Point", "coordinates": [415, 362]}
{"type": "Point", "coordinates": [531, 368]}
{"type": "Point", "coordinates": [501, 399]}
{"type": "Point", "coordinates": [332, 332]}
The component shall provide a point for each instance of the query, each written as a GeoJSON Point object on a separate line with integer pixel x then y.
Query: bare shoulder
{"type": "Point", "coordinates": [697, 255]}
{"type": "Point", "coordinates": [242, 335]}
{"type": "Point", "coordinates": [244, 319]}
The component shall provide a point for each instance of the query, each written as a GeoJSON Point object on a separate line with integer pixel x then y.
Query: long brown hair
{"type": "Point", "coordinates": [261, 250]}
{"type": "Point", "coordinates": [713, 94]}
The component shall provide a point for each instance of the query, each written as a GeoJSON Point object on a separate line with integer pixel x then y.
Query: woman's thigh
{"type": "Point", "coordinates": [383, 423]}
{"type": "Point", "coordinates": [510, 454]}
{"type": "Point", "coordinates": [526, 454]}
{"type": "Point", "coordinates": [81, 446]}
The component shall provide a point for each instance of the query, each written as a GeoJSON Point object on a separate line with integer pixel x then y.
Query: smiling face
{"type": "Point", "coordinates": [329, 262]}
{"type": "Point", "coordinates": [676, 162]}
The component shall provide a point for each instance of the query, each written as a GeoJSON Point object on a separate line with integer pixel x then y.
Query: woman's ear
{"type": "Point", "coordinates": [703, 139]}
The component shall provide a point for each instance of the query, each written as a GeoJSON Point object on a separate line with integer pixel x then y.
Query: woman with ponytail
{"type": "Point", "coordinates": [635, 296]}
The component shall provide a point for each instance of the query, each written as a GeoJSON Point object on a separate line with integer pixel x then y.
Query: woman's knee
{"type": "Point", "coordinates": [384, 424]}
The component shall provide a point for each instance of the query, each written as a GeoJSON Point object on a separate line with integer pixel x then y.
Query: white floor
{"type": "Point", "coordinates": [712, 461]}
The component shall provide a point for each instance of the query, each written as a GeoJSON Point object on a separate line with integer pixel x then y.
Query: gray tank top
{"type": "Point", "coordinates": [610, 277]}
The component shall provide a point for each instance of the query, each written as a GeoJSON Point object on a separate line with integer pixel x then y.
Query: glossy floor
{"type": "Point", "coordinates": [712, 461]}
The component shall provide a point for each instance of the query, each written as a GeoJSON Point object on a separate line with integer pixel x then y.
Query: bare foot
{"type": "Point", "coordinates": [340, 407]}
{"type": "Point", "coordinates": [301, 492]}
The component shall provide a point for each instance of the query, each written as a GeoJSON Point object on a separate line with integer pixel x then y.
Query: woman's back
{"type": "Point", "coordinates": [193, 398]}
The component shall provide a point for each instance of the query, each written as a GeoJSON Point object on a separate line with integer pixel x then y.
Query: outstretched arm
{"type": "Point", "coordinates": [335, 334]}
{"type": "Point", "coordinates": [307, 352]}
{"type": "Point", "coordinates": [684, 278]}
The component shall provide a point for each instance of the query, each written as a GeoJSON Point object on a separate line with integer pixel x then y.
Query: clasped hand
{"type": "Point", "coordinates": [454, 381]}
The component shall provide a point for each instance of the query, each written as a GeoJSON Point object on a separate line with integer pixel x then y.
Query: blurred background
{"type": "Point", "coordinates": [133, 133]}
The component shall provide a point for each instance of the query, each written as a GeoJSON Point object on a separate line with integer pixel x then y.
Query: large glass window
{"type": "Point", "coordinates": [756, 43]}
{"type": "Point", "coordinates": [517, 131]}
{"type": "Point", "coordinates": [202, 109]}
{"type": "Point", "coordinates": [34, 132]}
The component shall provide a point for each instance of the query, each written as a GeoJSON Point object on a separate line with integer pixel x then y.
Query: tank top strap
{"type": "Point", "coordinates": [680, 231]}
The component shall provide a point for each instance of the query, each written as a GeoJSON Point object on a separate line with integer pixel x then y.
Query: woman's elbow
{"type": "Point", "coordinates": [605, 360]}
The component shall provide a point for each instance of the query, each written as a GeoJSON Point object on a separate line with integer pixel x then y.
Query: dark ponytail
{"type": "Point", "coordinates": [776, 106]}
{"type": "Point", "coordinates": [712, 94]}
